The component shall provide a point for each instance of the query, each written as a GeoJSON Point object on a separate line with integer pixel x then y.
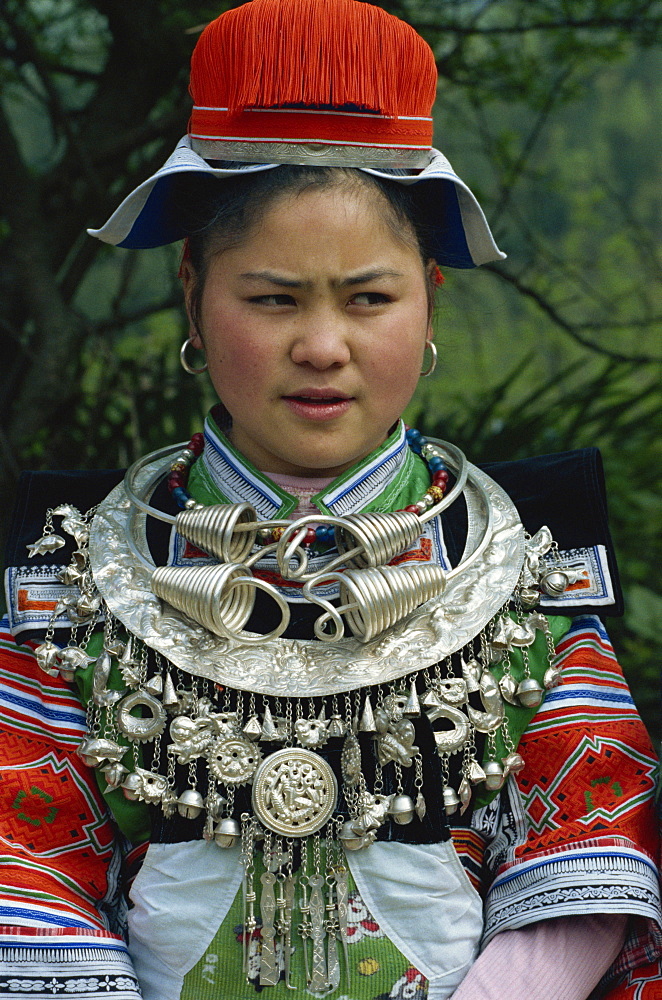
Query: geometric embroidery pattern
{"type": "Point", "coordinates": [57, 845]}
{"type": "Point", "coordinates": [625, 781]}
{"type": "Point", "coordinates": [577, 831]}
{"type": "Point", "coordinates": [643, 983]}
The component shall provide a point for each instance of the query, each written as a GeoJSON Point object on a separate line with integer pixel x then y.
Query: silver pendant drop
{"type": "Point", "coordinates": [529, 692]}
{"type": "Point", "coordinates": [494, 776]}
{"type": "Point", "coordinates": [508, 688]}
{"type": "Point", "coordinates": [367, 723]}
{"type": "Point", "coordinates": [451, 800]}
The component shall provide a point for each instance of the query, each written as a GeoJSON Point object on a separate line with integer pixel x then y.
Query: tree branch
{"type": "Point", "coordinates": [572, 329]}
{"type": "Point", "coordinates": [60, 117]}
{"type": "Point", "coordinates": [119, 321]}
{"type": "Point", "coordinates": [49, 375]}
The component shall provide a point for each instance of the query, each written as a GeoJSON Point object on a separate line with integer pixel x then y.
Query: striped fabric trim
{"type": "Point", "coordinates": [592, 686]}
{"type": "Point", "coordinates": [58, 938]}
{"type": "Point", "coordinates": [226, 473]}
{"type": "Point", "coordinates": [66, 905]}
{"type": "Point", "coordinates": [26, 914]}
{"type": "Point", "coordinates": [371, 480]}
{"type": "Point", "coordinates": [579, 881]}
{"type": "Point", "coordinates": [239, 483]}
{"type": "Point", "coordinates": [63, 963]}
{"type": "Point", "coordinates": [359, 115]}
{"type": "Point", "coordinates": [586, 630]}
{"type": "Point", "coordinates": [470, 849]}
{"type": "Point", "coordinates": [574, 860]}
{"type": "Point", "coordinates": [50, 712]}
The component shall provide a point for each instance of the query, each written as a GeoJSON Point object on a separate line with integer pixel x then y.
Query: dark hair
{"type": "Point", "coordinates": [220, 213]}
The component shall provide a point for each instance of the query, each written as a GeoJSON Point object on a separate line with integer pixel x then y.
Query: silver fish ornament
{"type": "Point", "coordinates": [44, 545]}
{"type": "Point", "coordinates": [95, 750]}
{"type": "Point", "coordinates": [74, 657]}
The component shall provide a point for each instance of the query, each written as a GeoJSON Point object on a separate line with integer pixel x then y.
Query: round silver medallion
{"type": "Point", "coordinates": [141, 729]}
{"type": "Point", "coordinates": [294, 792]}
{"type": "Point", "coordinates": [233, 761]}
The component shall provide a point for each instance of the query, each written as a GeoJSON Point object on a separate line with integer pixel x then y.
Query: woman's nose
{"type": "Point", "coordinates": [322, 342]}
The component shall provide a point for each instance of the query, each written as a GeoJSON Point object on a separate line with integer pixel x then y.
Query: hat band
{"type": "Point", "coordinates": [310, 153]}
{"type": "Point", "coordinates": [338, 129]}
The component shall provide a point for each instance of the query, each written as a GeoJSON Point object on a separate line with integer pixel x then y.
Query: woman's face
{"type": "Point", "coordinates": [314, 328]}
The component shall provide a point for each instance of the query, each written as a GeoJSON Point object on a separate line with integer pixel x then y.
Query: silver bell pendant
{"type": "Point", "coordinates": [351, 841]}
{"type": "Point", "coordinates": [402, 809]}
{"type": "Point", "coordinates": [554, 583]}
{"type": "Point", "coordinates": [529, 692]}
{"type": "Point", "coordinates": [190, 804]}
{"type": "Point", "coordinates": [451, 800]}
{"type": "Point", "coordinates": [131, 785]}
{"type": "Point", "coordinates": [114, 773]}
{"type": "Point", "coordinates": [494, 776]}
{"type": "Point", "coordinates": [227, 832]}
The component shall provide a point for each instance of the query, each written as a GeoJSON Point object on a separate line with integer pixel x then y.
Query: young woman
{"type": "Point", "coordinates": [329, 668]}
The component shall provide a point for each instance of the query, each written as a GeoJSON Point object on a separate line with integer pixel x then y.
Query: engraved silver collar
{"type": "Point", "coordinates": [309, 668]}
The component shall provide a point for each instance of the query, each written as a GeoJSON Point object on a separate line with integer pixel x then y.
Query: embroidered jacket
{"type": "Point", "coordinates": [573, 833]}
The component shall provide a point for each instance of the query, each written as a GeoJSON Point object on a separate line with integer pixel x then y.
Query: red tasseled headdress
{"type": "Point", "coordinates": [334, 72]}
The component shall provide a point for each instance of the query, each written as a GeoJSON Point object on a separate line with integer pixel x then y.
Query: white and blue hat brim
{"type": "Point", "coordinates": [459, 232]}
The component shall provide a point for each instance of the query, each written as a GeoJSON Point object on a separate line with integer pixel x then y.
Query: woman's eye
{"type": "Point", "coordinates": [370, 299]}
{"type": "Point", "coordinates": [273, 300]}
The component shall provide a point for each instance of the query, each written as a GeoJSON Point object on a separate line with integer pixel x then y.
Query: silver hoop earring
{"type": "Point", "coordinates": [433, 358]}
{"type": "Point", "coordinates": [184, 363]}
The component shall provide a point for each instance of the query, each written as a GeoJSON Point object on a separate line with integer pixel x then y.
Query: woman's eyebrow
{"type": "Point", "coordinates": [354, 279]}
{"type": "Point", "coordinates": [274, 279]}
{"type": "Point", "coordinates": [367, 276]}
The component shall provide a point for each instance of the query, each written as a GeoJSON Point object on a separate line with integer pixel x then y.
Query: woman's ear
{"type": "Point", "coordinates": [431, 273]}
{"type": "Point", "coordinates": [189, 282]}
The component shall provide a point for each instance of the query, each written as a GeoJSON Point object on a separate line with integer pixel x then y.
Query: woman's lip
{"type": "Point", "coordinates": [318, 407]}
{"type": "Point", "coordinates": [328, 392]}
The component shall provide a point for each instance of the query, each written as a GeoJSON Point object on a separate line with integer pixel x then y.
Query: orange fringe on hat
{"type": "Point", "coordinates": [279, 53]}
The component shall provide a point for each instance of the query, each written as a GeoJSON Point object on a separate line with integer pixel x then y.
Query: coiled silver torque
{"type": "Point", "coordinates": [361, 539]}
{"type": "Point", "coordinates": [221, 598]}
{"type": "Point", "coordinates": [373, 599]}
{"type": "Point", "coordinates": [373, 595]}
{"type": "Point", "coordinates": [213, 529]}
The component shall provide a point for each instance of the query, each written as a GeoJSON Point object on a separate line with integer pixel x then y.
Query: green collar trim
{"type": "Point", "coordinates": [388, 479]}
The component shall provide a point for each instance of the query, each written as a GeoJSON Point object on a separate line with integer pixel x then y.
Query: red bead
{"type": "Point", "coordinates": [310, 536]}
{"type": "Point", "coordinates": [440, 477]}
{"type": "Point", "coordinates": [412, 508]}
{"type": "Point", "coordinates": [197, 444]}
{"type": "Point", "coordinates": [175, 479]}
